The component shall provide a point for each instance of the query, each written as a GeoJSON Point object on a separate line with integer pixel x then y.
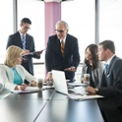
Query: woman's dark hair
{"type": "Point", "coordinates": [93, 49]}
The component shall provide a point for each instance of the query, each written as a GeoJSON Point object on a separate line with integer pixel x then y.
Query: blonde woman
{"type": "Point", "coordinates": [12, 74]}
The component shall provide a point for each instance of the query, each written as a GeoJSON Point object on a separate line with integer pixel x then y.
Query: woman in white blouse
{"type": "Point", "coordinates": [12, 74]}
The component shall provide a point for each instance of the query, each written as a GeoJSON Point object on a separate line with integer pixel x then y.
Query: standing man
{"type": "Point", "coordinates": [26, 42]}
{"type": "Point", "coordinates": [62, 52]}
{"type": "Point", "coordinates": [111, 84]}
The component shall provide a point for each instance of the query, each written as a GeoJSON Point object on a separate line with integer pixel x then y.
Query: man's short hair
{"type": "Point", "coordinates": [26, 20]}
{"type": "Point", "coordinates": [108, 44]}
{"type": "Point", "coordinates": [63, 22]}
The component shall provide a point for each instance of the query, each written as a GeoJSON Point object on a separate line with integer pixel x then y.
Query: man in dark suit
{"type": "Point", "coordinates": [111, 83]}
{"type": "Point", "coordinates": [27, 45]}
{"type": "Point", "coordinates": [64, 58]}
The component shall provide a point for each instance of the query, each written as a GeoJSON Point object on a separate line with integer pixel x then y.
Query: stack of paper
{"type": "Point", "coordinates": [83, 96]}
{"type": "Point", "coordinates": [30, 89]}
{"type": "Point", "coordinates": [76, 84]}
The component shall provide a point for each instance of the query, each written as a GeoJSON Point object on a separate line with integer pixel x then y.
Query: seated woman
{"type": "Point", "coordinates": [92, 66]}
{"type": "Point", "coordinates": [12, 74]}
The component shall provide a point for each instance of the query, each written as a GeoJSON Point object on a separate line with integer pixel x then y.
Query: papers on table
{"type": "Point", "coordinates": [31, 89]}
{"type": "Point", "coordinates": [76, 84]}
{"type": "Point", "coordinates": [48, 87]}
{"type": "Point", "coordinates": [83, 97]}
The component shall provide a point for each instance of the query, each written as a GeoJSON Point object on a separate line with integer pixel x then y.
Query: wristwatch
{"type": "Point", "coordinates": [96, 89]}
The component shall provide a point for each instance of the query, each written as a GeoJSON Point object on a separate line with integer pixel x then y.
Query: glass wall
{"type": "Point", "coordinates": [34, 10]}
{"type": "Point", "coordinates": [110, 22]}
{"type": "Point", "coordinates": [80, 15]}
{"type": "Point", "coordinates": [6, 25]}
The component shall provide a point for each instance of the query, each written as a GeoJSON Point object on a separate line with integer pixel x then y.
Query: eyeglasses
{"type": "Point", "coordinates": [60, 31]}
{"type": "Point", "coordinates": [26, 27]}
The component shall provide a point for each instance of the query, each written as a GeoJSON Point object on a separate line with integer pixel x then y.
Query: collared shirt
{"type": "Point", "coordinates": [63, 40]}
{"type": "Point", "coordinates": [109, 60]}
{"type": "Point", "coordinates": [21, 34]}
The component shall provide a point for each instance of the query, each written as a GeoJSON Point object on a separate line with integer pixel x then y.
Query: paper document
{"type": "Point", "coordinates": [76, 84]}
{"type": "Point", "coordinates": [30, 89]}
{"type": "Point", "coordinates": [27, 90]}
{"type": "Point", "coordinates": [32, 53]}
{"type": "Point", "coordinates": [48, 87]}
{"type": "Point", "coordinates": [83, 97]}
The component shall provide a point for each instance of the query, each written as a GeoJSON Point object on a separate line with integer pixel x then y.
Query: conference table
{"type": "Point", "coordinates": [48, 106]}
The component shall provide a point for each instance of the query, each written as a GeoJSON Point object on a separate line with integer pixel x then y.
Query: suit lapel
{"type": "Point", "coordinates": [110, 65]}
{"type": "Point", "coordinates": [27, 44]}
{"type": "Point", "coordinates": [18, 38]}
{"type": "Point", "coordinates": [58, 47]}
{"type": "Point", "coordinates": [104, 76]}
{"type": "Point", "coordinates": [66, 46]}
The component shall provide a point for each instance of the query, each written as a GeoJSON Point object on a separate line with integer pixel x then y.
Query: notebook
{"type": "Point", "coordinates": [61, 87]}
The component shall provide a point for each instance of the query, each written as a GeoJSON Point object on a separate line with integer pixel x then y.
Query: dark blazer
{"type": "Point", "coordinates": [15, 39]}
{"type": "Point", "coordinates": [54, 58]}
{"type": "Point", "coordinates": [111, 89]}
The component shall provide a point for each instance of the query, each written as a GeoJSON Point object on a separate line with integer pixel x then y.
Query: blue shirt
{"type": "Point", "coordinates": [17, 78]}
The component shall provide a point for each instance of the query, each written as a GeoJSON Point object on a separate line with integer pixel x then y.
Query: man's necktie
{"type": "Point", "coordinates": [24, 42]}
{"type": "Point", "coordinates": [25, 58]}
{"type": "Point", "coordinates": [106, 68]}
{"type": "Point", "coordinates": [62, 47]}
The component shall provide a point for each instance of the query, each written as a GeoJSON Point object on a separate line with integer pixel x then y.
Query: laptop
{"type": "Point", "coordinates": [60, 81]}
{"type": "Point", "coordinates": [60, 85]}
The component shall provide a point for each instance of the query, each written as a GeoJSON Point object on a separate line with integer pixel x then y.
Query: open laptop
{"type": "Point", "coordinates": [61, 87]}
{"type": "Point", "coordinates": [60, 81]}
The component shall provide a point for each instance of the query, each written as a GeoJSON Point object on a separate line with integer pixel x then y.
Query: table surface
{"type": "Point", "coordinates": [61, 109]}
{"type": "Point", "coordinates": [47, 106]}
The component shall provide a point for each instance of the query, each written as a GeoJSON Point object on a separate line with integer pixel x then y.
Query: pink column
{"type": "Point", "coordinates": [52, 15]}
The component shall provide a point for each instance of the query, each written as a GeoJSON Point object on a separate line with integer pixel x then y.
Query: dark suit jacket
{"type": "Point", "coordinates": [15, 39]}
{"type": "Point", "coordinates": [111, 87]}
{"type": "Point", "coordinates": [55, 60]}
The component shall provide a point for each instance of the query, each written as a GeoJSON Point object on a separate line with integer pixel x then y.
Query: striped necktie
{"type": "Point", "coordinates": [106, 68]}
{"type": "Point", "coordinates": [24, 41]}
{"type": "Point", "coordinates": [62, 47]}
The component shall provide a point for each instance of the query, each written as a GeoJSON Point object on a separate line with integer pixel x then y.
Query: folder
{"type": "Point", "coordinates": [32, 53]}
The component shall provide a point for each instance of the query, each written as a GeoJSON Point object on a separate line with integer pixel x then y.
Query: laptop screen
{"type": "Point", "coordinates": [59, 81]}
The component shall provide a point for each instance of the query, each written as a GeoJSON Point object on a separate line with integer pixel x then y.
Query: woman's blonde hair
{"type": "Point", "coordinates": [12, 53]}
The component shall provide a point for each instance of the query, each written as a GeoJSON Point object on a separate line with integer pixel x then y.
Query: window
{"type": "Point", "coordinates": [80, 15]}
{"type": "Point", "coordinates": [34, 10]}
{"type": "Point", "coordinates": [6, 24]}
{"type": "Point", "coordinates": [111, 22]}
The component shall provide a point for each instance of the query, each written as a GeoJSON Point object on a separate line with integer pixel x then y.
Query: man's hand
{"type": "Point", "coordinates": [38, 53]}
{"type": "Point", "coordinates": [49, 77]}
{"type": "Point", "coordinates": [72, 69]}
{"type": "Point", "coordinates": [25, 52]}
{"type": "Point", "coordinates": [91, 90]}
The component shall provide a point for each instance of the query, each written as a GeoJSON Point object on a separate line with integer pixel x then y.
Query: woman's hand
{"type": "Point", "coordinates": [21, 87]}
{"type": "Point", "coordinates": [33, 83]}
